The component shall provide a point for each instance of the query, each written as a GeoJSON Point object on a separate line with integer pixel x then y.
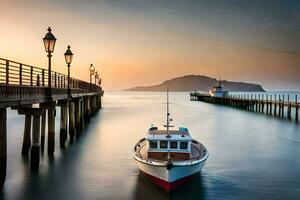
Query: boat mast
{"type": "Point", "coordinates": [168, 114]}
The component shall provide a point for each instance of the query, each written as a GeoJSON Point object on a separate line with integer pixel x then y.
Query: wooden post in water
{"type": "Point", "coordinates": [263, 104]}
{"type": "Point", "coordinates": [82, 114]}
{"type": "Point", "coordinates": [279, 105]}
{"type": "Point", "coordinates": [87, 117]}
{"type": "Point", "coordinates": [275, 106]}
{"type": "Point", "coordinates": [43, 130]}
{"type": "Point", "coordinates": [282, 107]}
{"type": "Point", "coordinates": [271, 104]}
{"type": "Point", "coordinates": [256, 106]}
{"type": "Point", "coordinates": [267, 97]}
{"type": "Point", "coordinates": [26, 137]}
{"type": "Point", "coordinates": [77, 117]}
{"type": "Point", "coordinates": [259, 104]}
{"type": "Point", "coordinates": [72, 129]}
{"type": "Point", "coordinates": [51, 129]}
{"type": "Point", "coordinates": [289, 110]}
{"type": "Point", "coordinates": [297, 108]}
{"type": "Point", "coordinates": [63, 124]}
{"type": "Point", "coordinates": [35, 148]}
{"type": "Point", "coordinates": [3, 145]}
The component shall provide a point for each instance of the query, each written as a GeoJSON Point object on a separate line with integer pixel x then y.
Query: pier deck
{"type": "Point", "coordinates": [274, 104]}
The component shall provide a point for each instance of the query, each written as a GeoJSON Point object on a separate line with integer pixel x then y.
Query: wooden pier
{"type": "Point", "coordinates": [271, 104]}
{"type": "Point", "coordinates": [26, 89]}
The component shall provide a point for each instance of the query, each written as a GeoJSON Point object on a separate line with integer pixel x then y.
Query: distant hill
{"type": "Point", "coordinates": [198, 82]}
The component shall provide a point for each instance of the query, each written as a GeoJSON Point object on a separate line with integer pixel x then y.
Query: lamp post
{"type": "Point", "coordinates": [96, 77]}
{"type": "Point", "coordinates": [68, 58]}
{"type": "Point", "coordinates": [49, 43]}
{"type": "Point", "coordinates": [92, 71]}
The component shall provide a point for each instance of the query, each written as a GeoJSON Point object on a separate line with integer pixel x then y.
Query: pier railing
{"type": "Point", "coordinates": [21, 81]}
{"type": "Point", "coordinates": [19, 74]}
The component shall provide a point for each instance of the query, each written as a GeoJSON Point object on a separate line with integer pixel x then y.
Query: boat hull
{"type": "Point", "coordinates": [172, 178]}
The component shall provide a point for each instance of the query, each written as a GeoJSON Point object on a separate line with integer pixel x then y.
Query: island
{"type": "Point", "coordinates": [200, 83]}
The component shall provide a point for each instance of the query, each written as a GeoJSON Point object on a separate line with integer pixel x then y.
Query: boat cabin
{"type": "Point", "coordinates": [218, 91]}
{"type": "Point", "coordinates": [169, 145]}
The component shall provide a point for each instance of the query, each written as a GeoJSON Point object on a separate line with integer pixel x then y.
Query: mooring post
{"type": "Point", "coordinates": [3, 145]}
{"type": "Point", "coordinates": [63, 124]}
{"type": "Point", "coordinates": [72, 129]}
{"type": "Point", "coordinates": [43, 130]}
{"type": "Point", "coordinates": [51, 129]}
{"type": "Point", "coordinates": [35, 148]}
{"type": "Point", "coordinates": [27, 135]}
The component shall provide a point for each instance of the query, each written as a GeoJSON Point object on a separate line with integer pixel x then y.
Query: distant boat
{"type": "Point", "coordinates": [217, 91]}
{"type": "Point", "coordinates": [169, 157]}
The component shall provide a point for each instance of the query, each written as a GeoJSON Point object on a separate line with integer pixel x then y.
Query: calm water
{"type": "Point", "coordinates": [251, 156]}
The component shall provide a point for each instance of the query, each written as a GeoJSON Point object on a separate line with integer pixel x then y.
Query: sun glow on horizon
{"type": "Point", "coordinates": [141, 43]}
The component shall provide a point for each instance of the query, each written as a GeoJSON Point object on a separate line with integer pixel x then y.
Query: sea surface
{"type": "Point", "coordinates": [252, 156]}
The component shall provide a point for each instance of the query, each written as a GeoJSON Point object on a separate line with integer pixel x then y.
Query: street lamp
{"type": "Point", "coordinates": [49, 43]}
{"type": "Point", "coordinates": [69, 57]}
{"type": "Point", "coordinates": [92, 72]}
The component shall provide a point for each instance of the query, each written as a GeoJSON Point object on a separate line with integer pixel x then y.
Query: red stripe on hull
{"type": "Point", "coordinates": [167, 185]}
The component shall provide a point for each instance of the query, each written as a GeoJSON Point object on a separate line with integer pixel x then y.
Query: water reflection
{"type": "Point", "coordinates": [192, 189]}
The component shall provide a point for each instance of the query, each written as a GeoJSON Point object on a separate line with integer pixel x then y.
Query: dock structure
{"type": "Point", "coordinates": [26, 88]}
{"type": "Point", "coordinates": [275, 105]}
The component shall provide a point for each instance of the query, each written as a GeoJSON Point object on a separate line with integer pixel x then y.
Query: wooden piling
{"type": "Point", "coordinates": [282, 107]}
{"type": "Point", "coordinates": [297, 109]}
{"type": "Point", "coordinates": [43, 130]}
{"type": "Point", "coordinates": [263, 105]}
{"type": "Point", "coordinates": [27, 135]}
{"type": "Point", "coordinates": [63, 124]}
{"type": "Point", "coordinates": [271, 104]}
{"type": "Point", "coordinates": [81, 114]}
{"type": "Point", "coordinates": [289, 109]}
{"type": "Point", "coordinates": [3, 145]}
{"type": "Point", "coordinates": [72, 129]}
{"type": "Point", "coordinates": [87, 117]}
{"type": "Point", "coordinates": [35, 148]}
{"type": "Point", "coordinates": [267, 98]}
{"type": "Point", "coordinates": [275, 106]}
{"type": "Point", "coordinates": [77, 117]}
{"type": "Point", "coordinates": [51, 129]}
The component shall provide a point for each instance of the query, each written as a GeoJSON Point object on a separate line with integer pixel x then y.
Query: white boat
{"type": "Point", "coordinates": [169, 157]}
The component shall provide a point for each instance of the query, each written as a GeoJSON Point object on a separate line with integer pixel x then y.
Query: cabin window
{"type": "Point", "coordinates": [153, 144]}
{"type": "Point", "coordinates": [183, 145]}
{"type": "Point", "coordinates": [173, 145]}
{"type": "Point", "coordinates": [163, 144]}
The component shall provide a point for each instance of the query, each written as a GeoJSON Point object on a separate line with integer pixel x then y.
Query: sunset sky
{"type": "Point", "coordinates": [144, 42]}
